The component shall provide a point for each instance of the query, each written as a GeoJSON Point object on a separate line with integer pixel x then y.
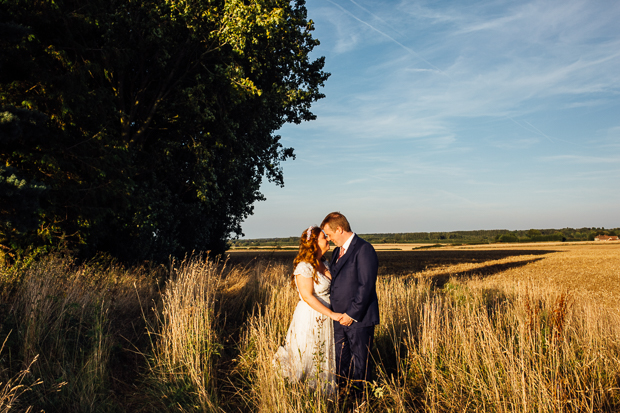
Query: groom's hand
{"type": "Point", "coordinates": [346, 320]}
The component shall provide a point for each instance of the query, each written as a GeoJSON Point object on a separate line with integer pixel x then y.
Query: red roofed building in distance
{"type": "Point", "coordinates": [606, 238]}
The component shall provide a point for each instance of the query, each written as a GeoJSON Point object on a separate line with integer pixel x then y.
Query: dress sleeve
{"type": "Point", "coordinates": [304, 269]}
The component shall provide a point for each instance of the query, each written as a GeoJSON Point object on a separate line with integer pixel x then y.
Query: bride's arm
{"type": "Point", "coordinates": [306, 290]}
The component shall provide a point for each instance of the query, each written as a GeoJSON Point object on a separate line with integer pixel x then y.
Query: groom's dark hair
{"type": "Point", "coordinates": [335, 220]}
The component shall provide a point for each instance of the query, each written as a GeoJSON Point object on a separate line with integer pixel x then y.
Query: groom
{"type": "Point", "coordinates": [353, 268]}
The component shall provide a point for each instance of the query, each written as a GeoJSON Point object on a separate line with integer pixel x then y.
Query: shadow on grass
{"type": "Point", "coordinates": [440, 280]}
{"type": "Point", "coordinates": [392, 262]}
{"type": "Point", "coordinates": [407, 262]}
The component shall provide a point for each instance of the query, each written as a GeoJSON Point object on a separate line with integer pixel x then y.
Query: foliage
{"type": "Point", "coordinates": [508, 238]}
{"type": "Point", "coordinates": [145, 128]}
{"type": "Point", "coordinates": [19, 195]}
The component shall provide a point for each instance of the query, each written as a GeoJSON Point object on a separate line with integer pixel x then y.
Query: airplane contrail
{"type": "Point", "coordinates": [389, 37]}
{"type": "Point", "coordinates": [375, 16]}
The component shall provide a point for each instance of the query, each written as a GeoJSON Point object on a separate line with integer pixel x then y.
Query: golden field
{"type": "Point", "coordinates": [502, 328]}
{"type": "Point", "coordinates": [588, 269]}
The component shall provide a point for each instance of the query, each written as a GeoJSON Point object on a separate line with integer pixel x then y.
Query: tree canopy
{"type": "Point", "coordinates": [144, 128]}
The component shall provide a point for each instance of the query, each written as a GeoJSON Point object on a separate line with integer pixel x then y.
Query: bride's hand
{"type": "Point", "coordinates": [336, 316]}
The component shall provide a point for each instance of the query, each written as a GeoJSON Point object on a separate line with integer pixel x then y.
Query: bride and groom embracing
{"type": "Point", "coordinates": [317, 349]}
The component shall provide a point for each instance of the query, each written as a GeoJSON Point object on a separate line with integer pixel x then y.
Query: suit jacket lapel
{"type": "Point", "coordinates": [333, 264]}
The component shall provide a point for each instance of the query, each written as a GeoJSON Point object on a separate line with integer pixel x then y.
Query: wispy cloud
{"type": "Point", "coordinates": [465, 105]}
{"type": "Point", "coordinates": [581, 159]}
{"type": "Point", "coordinates": [519, 143]}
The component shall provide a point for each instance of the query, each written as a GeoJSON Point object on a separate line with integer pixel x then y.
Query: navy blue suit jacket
{"type": "Point", "coordinates": [354, 279]}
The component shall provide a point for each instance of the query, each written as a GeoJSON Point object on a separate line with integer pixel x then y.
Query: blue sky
{"type": "Point", "coordinates": [456, 115]}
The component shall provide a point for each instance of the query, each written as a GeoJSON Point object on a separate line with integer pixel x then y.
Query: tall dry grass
{"type": "Point", "coordinates": [524, 350]}
{"type": "Point", "coordinates": [465, 347]}
{"type": "Point", "coordinates": [12, 388]}
{"type": "Point", "coordinates": [260, 386]}
{"type": "Point", "coordinates": [495, 344]}
{"type": "Point", "coordinates": [61, 314]}
{"type": "Point", "coordinates": [185, 341]}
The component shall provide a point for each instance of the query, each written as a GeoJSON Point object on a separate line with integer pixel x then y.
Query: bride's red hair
{"type": "Point", "coordinates": [308, 248]}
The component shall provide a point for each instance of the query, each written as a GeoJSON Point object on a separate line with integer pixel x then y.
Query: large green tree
{"type": "Point", "coordinates": [145, 127]}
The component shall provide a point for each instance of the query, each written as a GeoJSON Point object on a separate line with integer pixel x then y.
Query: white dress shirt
{"type": "Point", "coordinates": [347, 244]}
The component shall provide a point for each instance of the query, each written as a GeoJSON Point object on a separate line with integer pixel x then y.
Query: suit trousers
{"type": "Point", "coordinates": [353, 360]}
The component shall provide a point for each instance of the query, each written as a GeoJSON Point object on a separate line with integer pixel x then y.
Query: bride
{"type": "Point", "coordinates": [309, 352]}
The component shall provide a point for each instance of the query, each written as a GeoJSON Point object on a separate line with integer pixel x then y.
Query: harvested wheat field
{"type": "Point", "coordinates": [587, 269]}
{"type": "Point", "coordinates": [502, 327]}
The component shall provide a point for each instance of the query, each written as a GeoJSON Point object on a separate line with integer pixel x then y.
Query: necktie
{"type": "Point", "coordinates": [341, 253]}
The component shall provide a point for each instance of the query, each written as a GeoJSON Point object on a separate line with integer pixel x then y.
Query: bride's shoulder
{"type": "Point", "coordinates": [303, 264]}
{"type": "Point", "coordinates": [304, 269]}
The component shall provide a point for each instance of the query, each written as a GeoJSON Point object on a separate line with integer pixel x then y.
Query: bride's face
{"type": "Point", "coordinates": [323, 243]}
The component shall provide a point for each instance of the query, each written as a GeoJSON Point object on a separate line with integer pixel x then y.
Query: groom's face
{"type": "Point", "coordinates": [334, 236]}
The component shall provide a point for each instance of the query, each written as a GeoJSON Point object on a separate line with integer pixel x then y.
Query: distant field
{"type": "Point", "coordinates": [588, 269]}
{"type": "Point", "coordinates": [382, 246]}
{"type": "Point", "coordinates": [415, 246]}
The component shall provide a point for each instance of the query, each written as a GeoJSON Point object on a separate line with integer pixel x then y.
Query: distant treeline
{"type": "Point", "coordinates": [455, 237]}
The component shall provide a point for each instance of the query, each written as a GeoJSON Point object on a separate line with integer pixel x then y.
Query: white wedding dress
{"type": "Point", "coordinates": [309, 352]}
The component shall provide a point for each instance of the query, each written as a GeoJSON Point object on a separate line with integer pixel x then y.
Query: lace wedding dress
{"type": "Point", "coordinates": [309, 352]}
